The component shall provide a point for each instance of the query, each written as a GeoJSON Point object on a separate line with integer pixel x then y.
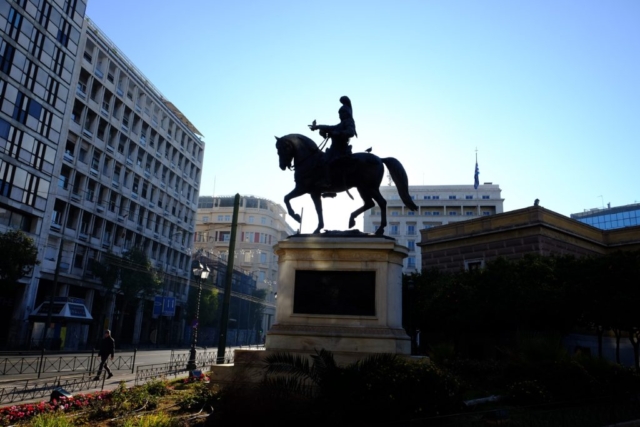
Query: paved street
{"type": "Point", "coordinates": [142, 358]}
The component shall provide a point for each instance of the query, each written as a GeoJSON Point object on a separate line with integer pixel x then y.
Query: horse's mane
{"type": "Point", "coordinates": [302, 141]}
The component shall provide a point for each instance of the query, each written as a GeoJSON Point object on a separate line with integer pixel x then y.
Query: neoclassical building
{"type": "Point", "coordinates": [437, 205]}
{"type": "Point", "coordinates": [261, 224]}
{"type": "Point", "coordinates": [513, 234]}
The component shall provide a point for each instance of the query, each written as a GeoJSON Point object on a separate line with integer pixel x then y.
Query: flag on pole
{"type": "Point", "coordinates": [476, 176]}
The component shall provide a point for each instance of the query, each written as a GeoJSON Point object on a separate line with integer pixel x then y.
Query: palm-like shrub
{"type": "Point", "coordinates": [380, 386]}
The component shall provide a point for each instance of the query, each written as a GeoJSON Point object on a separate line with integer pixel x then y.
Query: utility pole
{"type": "Point", "coordinates": [224, 321]}
{"type": "Point", "coordinates": [53, 293]}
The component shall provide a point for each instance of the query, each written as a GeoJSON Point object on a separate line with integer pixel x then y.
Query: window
{"type": "Point", "coordinates": [261, 276]}
{"type": "Point", "coordinates": [411, 244]}
{"type": "Point", "coordinates": [436, 213]}
{"type": "Point", "coordinates": [426, 213]}
{"type": "Point", "coordinates": [205, 218]}
{"type": "Point", "coordinates": [224, 236]}
{"type": "Point", "coordinates": [468, 197]}
{"type": "Point", "coordinates": [220, 217]}
{"type": "Point", "coordinates": [485, 197]}
{"type": "Point", "coordinates": [436, 197]}
{"type": "Point", "coordinates": [19, 185]}
{"type": "Point", "coordinates": [227, 217]}
{"type": "Point", "coordinates": [411, 229]}
{"type": "Point", "coordinates": [468, 213]}
{"type": "Point", "coordinates": [473, 264]}
{"type": "Point", "coordinates": [63, 33]}
{"type": "Point", "coordinates": [263, 220]}
{"type": "Point", "coordinates": [263, 258]}
{"type": "Point", "coordinates": [14, 24]}
{"type": "Point", "coordinates": [427, 197]}
{"type": "Point", "coordinates": [453, 197]}
{"type": "Point", "coordinates": [6, 56]}
{"type": "Point", "coordinates": [411, 262]}
{"type": "Point", "coordinates": [486, 213]}
{"type": "Point", "coordinates": [453, 213]}
{"type": "Point", "coordinates": [411, 213]}
{"type": "Point", "coordinates": [394, 213]}
{"type": "Point", "coordinates": [394, 229]}
{"type": "Point", "coordinates": [247, 256]}
{"type": "Point", "coordinates": [251, 219]}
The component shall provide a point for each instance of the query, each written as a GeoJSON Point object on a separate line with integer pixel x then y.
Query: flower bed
{"type": "Point", "coordinates": [16, 413]}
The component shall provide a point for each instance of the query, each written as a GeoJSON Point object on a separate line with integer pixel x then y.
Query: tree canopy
{"type": "Point", "coordinates": [18, 256]}
{"type": "Point", "coordinates": [536, 293]}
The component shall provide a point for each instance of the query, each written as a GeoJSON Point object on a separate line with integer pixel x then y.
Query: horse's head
{"type": "Point", "coordinates": [285, 152]}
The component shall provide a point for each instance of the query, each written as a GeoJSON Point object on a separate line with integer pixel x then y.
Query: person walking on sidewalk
{"type": "Point", "coordinates": [107, 348]}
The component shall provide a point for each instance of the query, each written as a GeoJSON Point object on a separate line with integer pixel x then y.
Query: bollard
{"type": "Point", "coordinates": [133, 364]}
{"type": "Point", "coordinates": [104, 378]}
{"type": "Point", "coordinates": [91, 361]}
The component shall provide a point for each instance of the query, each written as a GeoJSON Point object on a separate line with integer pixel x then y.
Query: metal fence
{"type": "Point", "coordinates": [203, 357]}
{"type": "Point", "coordinates": [161, 371]}
{"type": "Point", "coordinates": [178, 364]}
{"type": "Point", "coordinates": [17, 391]}
{"type": "Point", "coordinates": [57, 364]}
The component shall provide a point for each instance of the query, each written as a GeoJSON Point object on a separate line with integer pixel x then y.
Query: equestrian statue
{"type": "Point", "coordinates": [325, 173]}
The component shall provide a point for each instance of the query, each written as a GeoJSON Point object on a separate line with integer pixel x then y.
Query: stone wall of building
{"type": "Point", "coordinates": [533, 230]}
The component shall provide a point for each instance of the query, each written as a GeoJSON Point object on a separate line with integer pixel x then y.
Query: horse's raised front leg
{"type": "Point", "coordinates": [368, 204]}
{"type": "Point", "coordinates": [317, 202]}
{"type": "Point", "coordinates": [292, 195]}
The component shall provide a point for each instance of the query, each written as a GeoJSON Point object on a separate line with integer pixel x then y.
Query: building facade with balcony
{"type": "Point", "coordinates": [437, 205]}
{"type": "Point", "coordinates": [261, 224]}
{"type": "Point", "coordinates": [114, 165]}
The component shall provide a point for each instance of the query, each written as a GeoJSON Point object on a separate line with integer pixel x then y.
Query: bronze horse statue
{"type": "Point", "coordinates": [364, 171]}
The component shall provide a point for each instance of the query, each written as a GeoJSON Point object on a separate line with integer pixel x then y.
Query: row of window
{"type": "Point", "coordinates": [38, 38]}
{"type": "Point", "coordinates": [139, 207]}
{"type": "Point", "coordinates": [434, 213]}
{"type": "Point", "coordinates": [167, 160]}
{"type": "Point", "coordinates": [28, 112]}
{"type": "Point", "coordinates": [105, 233]}
{"type": "Point", "coordinates": [452, 197]}
{"type": "Point", "coordinates": [614, 220]}
{"type": "Point", "coordinates": [136, 103]}
{"type": "Point", "coordinates": [130, 137]}
{"type": "Point", "coordinates": [112, 173]}
{"type": "Point", "coordinates": [227, 218]}
{"type": "Point", "coordinates": [22, 186]}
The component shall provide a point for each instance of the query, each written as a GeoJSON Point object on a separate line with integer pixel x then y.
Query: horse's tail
{"type": "Point", "coordinates": [399, 177]}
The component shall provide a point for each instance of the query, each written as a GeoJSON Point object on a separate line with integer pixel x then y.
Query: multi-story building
{"type": "Point", "coordinates": [126, 163]}
{"type": "Point", "coordinates": [515, 234]}
{"type": "Point", "coordinates": [261, 224]}
{"type": "Point", "coordinates": [38, 50]}
{"type": "Point", "coordinates": [609, 218]}
{"type": "Point", "coordinates": [437, 205]}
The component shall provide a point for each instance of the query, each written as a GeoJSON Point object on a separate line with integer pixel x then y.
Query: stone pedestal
{"type": "Point", "coordinates": [339, 293]}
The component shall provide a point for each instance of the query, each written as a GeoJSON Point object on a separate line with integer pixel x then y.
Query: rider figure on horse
{"type": "Point", "coordinates": [340, 135]}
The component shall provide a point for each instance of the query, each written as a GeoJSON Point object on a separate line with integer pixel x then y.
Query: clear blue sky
{"type": "Point", "coordinates": [547, 91]}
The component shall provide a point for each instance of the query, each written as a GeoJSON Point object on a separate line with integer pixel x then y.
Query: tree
{"type": "Point", "coordinates": [208, 304]}
{"type": "Point", "coordinates": [137, 278]}
{"type": "Point", "coordinates": [18, 256]}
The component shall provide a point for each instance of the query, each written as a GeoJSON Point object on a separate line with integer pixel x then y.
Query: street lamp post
{"type": "Point", "coordinates": [200, 273]}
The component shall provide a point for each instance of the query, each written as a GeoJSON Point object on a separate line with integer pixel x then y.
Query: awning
{"type": "Point", "coordinates": [67, 309]}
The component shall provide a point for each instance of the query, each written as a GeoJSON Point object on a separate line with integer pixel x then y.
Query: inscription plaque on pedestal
{"type": "Point", "coordinates": [335, 292]}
